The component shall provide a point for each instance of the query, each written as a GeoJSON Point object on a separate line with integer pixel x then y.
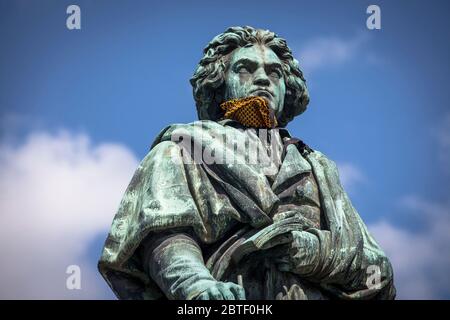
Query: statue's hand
{"type": "Point", "coordinates": [299, 256]}
{"type": "Point", "coordinates": [217, 290]}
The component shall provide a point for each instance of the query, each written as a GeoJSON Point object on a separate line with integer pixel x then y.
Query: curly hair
{"type": "Point", "coordinates": [209, 77]}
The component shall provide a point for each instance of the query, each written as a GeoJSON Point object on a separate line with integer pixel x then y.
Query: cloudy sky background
{"type": "Point", "coordinates": [79, 109]}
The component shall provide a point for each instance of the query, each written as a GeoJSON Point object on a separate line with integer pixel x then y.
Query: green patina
{"type": "Point", "coordinates": [281, 227]}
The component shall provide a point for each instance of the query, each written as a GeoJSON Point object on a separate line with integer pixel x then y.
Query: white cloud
{"type": "Point", "coordinates": [350, 176]}
{"type": "Point", "coordinates": [421, 259]}
{"type": "Point", "coordinates": [328, 51]}
{"type": "Point", "coordinates": [57, 193]}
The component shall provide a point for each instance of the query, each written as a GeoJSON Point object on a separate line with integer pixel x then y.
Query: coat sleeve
{"type": "Point", "coordinates": [159, 198]}
{"type": "Point", "coordinates": [350, 263]}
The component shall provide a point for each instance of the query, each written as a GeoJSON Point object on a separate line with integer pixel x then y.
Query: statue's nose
{"type": "Point", "coordinates": [261, 78]}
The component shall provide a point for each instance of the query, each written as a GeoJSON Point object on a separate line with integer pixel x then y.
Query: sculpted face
{"type": "Point", "coordinates": [256, 71]}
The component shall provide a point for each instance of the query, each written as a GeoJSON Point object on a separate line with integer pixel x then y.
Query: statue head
{"type": "Point", "coordinates": [242, 62]}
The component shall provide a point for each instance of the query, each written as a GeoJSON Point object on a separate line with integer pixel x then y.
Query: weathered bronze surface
{"type": "Point", "coordinates": [219, 210]}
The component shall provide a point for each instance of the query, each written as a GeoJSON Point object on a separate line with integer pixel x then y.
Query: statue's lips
{"type": "Point", "coordinates": [262, 93]}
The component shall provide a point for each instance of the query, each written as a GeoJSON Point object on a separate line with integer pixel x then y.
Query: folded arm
{"type": "Point", "coordinates": [175, 262]}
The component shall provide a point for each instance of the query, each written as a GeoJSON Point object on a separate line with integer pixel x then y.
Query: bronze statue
{"type": "Point", "coordinates": [234, 207]}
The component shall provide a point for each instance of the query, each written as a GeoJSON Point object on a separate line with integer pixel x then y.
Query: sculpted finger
{"type": "Point", "coordinates": [203, 296]}
{"type": "Point", "coordinates": [215, 294]}
{"type": "Point", "coordinates": [279, 242]}
{"type": "Point", "coordinates": [238, 292]}
{"type": "Point", "coordinates": [224, 291]}
{"type": "Point", "coordinates": [227, 294]}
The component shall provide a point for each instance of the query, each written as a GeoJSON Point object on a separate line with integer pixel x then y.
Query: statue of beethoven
{"type": "Point", "coordinates": [234, 207]}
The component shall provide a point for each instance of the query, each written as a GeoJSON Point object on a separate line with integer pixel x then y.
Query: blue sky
{"type": "Point", "coordinates": [379, 105]}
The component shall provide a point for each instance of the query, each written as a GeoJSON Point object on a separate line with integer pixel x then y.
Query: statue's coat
{"type": "Point", "coordinates": [209, 200]}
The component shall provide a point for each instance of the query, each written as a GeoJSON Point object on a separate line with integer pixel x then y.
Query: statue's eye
{"type": "Point", "coordinates": [276, 74]}
{"type": "Point", "coordinates": [243, 69]}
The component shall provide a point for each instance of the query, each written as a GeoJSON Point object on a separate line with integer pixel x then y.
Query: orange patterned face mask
{"type": "Point", "coordinates": [250, 112]}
